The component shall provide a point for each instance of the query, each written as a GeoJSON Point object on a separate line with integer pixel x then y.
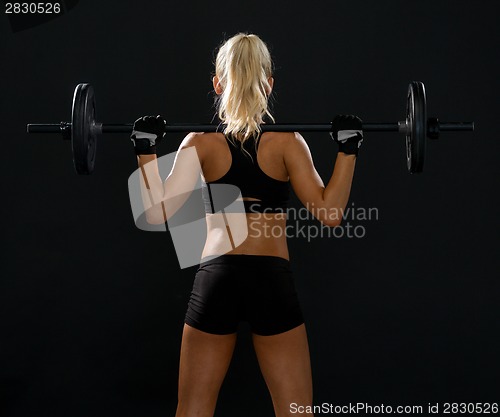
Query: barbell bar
{"type": "Point", "coordinates": [83, 129]}
{"type": "Point", "coordinates": [282, 127]}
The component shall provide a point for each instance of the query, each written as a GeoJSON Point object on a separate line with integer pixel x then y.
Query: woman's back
{"type": "Point", "coordinates": [265, 231]}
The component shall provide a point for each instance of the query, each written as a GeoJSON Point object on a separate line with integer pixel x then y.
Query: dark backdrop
{"type": "Point", "coordinates": [91, 308]}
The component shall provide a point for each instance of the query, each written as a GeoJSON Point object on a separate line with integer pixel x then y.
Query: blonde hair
{"type": "Point", "coordinates": [243, 66]}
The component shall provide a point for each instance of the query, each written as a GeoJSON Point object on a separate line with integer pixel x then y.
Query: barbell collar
{"type": "Point", "coordinates": [403, 127]}
{"type": "Point", "coordinates": [97, 128]}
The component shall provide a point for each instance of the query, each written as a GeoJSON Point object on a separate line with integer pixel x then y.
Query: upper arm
{"type": "Point", "coordinates": [187, 163]}
{"type": "Point", "coordinates": [184, 174]}
{"type": "Point", "coordinates": [305, 180]}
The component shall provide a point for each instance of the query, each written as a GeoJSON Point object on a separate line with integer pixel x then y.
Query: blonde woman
{"type": "Point", "coordinates": [251, 281]}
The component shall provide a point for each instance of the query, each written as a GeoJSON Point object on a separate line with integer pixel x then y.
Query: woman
{"type": "Point", "coordinates": [250, 280]}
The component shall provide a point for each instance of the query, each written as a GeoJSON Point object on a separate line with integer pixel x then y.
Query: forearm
{"type": "Point", "coordinates": [336, 193]}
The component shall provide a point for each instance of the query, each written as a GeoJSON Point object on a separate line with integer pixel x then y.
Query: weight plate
{"type": "Point", "coordinates": [416, 119]}
{"type": "Point", "coordinates": [83, 135]}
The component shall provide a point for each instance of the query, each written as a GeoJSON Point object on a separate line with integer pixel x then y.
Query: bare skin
{"type": "Point", "coordinates": [284, 358]}
{"type": "Point", "coordinates": [205, 357]}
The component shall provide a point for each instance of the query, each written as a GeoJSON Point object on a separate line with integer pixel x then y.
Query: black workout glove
{"type": "Point", "coordinates": [347, 132]}
{"type": "Point", "coordinates": [148, 131]}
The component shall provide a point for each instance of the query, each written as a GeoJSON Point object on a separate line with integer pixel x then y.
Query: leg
{"type": "Point", "coordinates": [204, 361]}
{"type": "Point", "coordinates": [285, 365]}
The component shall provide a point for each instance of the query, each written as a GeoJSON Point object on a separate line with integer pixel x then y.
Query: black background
{"type": "Point", "coordinates": [91, 308]}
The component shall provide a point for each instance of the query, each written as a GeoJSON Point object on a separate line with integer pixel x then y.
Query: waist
{"type": "Point", "coordinates": [255, 261]}
{"type": "Point", "coordinates": [246, 234]}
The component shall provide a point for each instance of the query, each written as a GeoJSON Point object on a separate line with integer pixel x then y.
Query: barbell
{"type": "Point", "coordinates": [83, 128]}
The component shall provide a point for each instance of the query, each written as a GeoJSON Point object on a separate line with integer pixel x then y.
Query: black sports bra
{"type": "Point", "coordinates": [246, 174]}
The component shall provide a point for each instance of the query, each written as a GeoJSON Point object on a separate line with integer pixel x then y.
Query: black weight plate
{"type": "Point", "coordinates": [416, 119]}
{"type": "Point", "coordinates": [83, 136]}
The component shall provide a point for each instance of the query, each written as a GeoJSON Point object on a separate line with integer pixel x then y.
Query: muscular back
{"type": "Point", "coordinates": [266, 231]}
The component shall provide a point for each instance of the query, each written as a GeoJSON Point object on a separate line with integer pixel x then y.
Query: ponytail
{"type": "Point", "coordinates": [243, 66]}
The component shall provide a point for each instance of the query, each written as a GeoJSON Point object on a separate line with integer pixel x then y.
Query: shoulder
{"type": "Point", "coordinates": [287, 144]}
{"type": "Point", "coordinates": [192, 139]}
{"type": "Point", "coordinates": [203, 142]}
{"type": "Point", "coordinates": [296, 153]}
{"type": "Point", "coordinates": [283, 139]}
{"type": "Point", "coordinates": [293, 143]}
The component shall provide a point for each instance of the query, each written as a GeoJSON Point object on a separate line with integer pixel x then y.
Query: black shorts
{"type": "Point", "coordinates": [233, 288]}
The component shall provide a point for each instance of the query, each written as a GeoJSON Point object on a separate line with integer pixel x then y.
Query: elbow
{"type": "Point", "coordinates": [155, 220]}
{"type": "Point", "coordinates": [155, 216]}
{"type": "Point", "coordinates": [328, 216]}
{"type": "Point", "coordinates": [330, 222]}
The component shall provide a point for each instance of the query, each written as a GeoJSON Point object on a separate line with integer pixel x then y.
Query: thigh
{"type": "Point", "coordinates": [286, 367]}
{"type": "Point", "coordinates": [204, 361]}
